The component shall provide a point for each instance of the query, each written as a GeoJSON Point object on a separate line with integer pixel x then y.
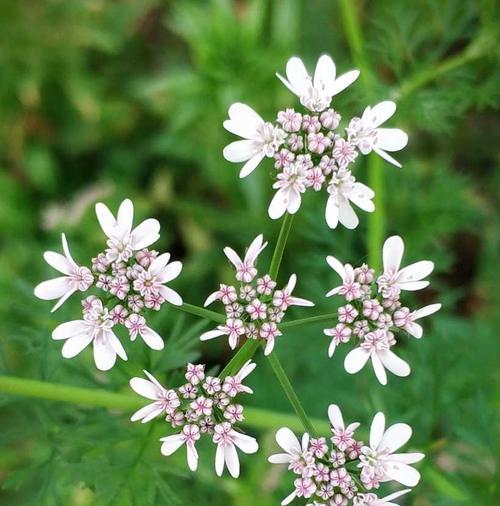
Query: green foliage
{"type": "Point", "coordinates": [107, 100]}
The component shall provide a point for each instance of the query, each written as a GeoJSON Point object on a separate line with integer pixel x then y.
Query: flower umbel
{"type": "Point", "coordinates": [203, 405]}
{"type": "Point", "coordinates": [325, 466]}
{"type": "Point", "coordinates": [374, 315]}
{"type": "Point", "coordinates": [255, 308]}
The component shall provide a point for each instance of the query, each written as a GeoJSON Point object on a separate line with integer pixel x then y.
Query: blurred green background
{"type": "Point", "coordinates": [103, 100]}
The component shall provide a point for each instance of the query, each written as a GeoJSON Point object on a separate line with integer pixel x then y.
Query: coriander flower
{"type": "Point", "coordinates": [123, 241]}
{"type": "Point", "coordinates": [291, 183]}
{"type": "Point", "coordinates": [376, 346]}
{"type": "Point", "coordinates": [282, 299]}
{"type": "Point", "coordinates": [364, 132]}
{"type": "Point", "coordinates": [373, 500]}
{"type": "Point", "coordinates": [378, 460]}
{"type": "Point", "coordinates": [188, 436]}
{"type": "Point", "coordinates": [316, 92]}
{"type": "Point", "coordinates": [350, 287]}
{"type": "Point", "coordinates": [245, 269]}
{"type": "Point", "coordinates": [95, 328]}
{"type": "Point", "coordinates": [75, 277]}
{"type": "Point", "coordinates": [152, 281]}
{"type": "Point", "coordinates": [260, 138]}
{"type": "Point", "coordinates": [344, 190]}
{"type": "Point", "coordinates": [227, 440]}
{"type": "Point", "coordinates": [165, 401]}
{"type": "Point", "coordinates": [395, 279]}
{"type": "Point", "coordinates": [342, 436]}
{"type": "Point", "coordinates": [295, 451]}
{"type": "Point", "coordinates": [406, 320]}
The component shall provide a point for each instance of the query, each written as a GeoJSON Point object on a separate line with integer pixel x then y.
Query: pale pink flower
{"type": "Point", "coordinates": [188, 436]}
{"type": "Point", "coordinates": [406, 320]}
{"type": "Point", "coordinates": [164, 401]}
{"type": "Point", "coordinates": [304, 487]}
{"type": "Point", "coordinates": [234, 413]}
{"type": "Point", "coordinates": [123, 241]}
{"type": "Point", "coordinates": [233, 328]}
{"type": "Point", "coordinates": [195, 373]}
{"type": "Point", "coordinates": [136, 325]}
{"type": "Point", "coordinates": [212, 384]}
{"type": "Point", "coordinates": [265, 285]}
{"type": "Point", "coordinates": [316, 92]}
{"type": "Point", "coordinates": [145, 257]}
{"type": "Point", "coordinates": [330, 119]}
{"type": "Point", "coordinates": [227, 440]}
{"type": "Point", "coordinates": [257, 310]}
{"type": "Point", "coordinates": [269, 331]}
{"type": "Point", "coordinates": [376, 345]}
{"type": "Point", "coordinates": [318, 447]}
{"type": "Point", "coordinates": [379, 458]}
{"type": "Point", "coordinates": [318, 143]}
{"type": "Point", "coordinates": [315, 178]}
{"type": "Point", "coordinates": [372, 309]}
{"type": "Point", "coordinates": [283, 298]}
{"type": "Point", "coordinates": [344, 189]}
{"type": "Point", "coordinates": [202, 406]}
{"type": "Point", "coordinates": [226, 294]}
{"type": "Point", "coordinates": [349, 289]}
{"type": "Point", "coordinates": [347, 313]}
{"type": "Point", "coordinates": [283, 157]}
{"type": "Point", "coordinates": [152, 281]}
{"type": "Point", "coordinates": [291, 183]}
{"type": "Point", "coordinates": [290, 120]}
{"type": "Point", "coordinates": [233, 385]}
{"type": "Point", "coordinates": [75, 277]}
{"type": "Point", "coordinates": [245, 269]}
{"type": "Point", "coordinates": [118, 314]}
{"type": "Point", "coordinates": [119, 287]}
{"type": "Point", "coordinates": [365, 133]}
{"type": "Point", "coordinates": [372, 500]}
{"type": "Point", "coordinates": [310, 124]}
{"type": "Point", "coordinates": [395, 279]}
{"type": "Point", "coordinates": [260, 139]}
{"type": "Point", "coordinates": [135, 303]}
{"type": "Point", "coordinates": [344, 153]}
{"type": "Point", "coordinates": [96, 328]}
{"type": "Point", "coordinates": [342, 436]}
{"type": "Point", "coordinates": [341, 333]}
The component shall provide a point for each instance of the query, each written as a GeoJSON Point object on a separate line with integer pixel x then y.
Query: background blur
{"type": "Point", "coordinates": [106, 100]}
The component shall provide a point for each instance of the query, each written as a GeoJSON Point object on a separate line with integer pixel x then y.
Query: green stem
{"type": "Point", "coordinates": [376, 220]}
{"type": "Point", "coordinates": [290, 393]}
{"type": "Point", "coordinates": [286, 225]}
{"type": "Point", "coordinates": [305, 321]}
{"type": "Point", "coordinates": [246, 352]}
{"type": "Point", "coordinates": [199, 311]}
{"type": "Point", "coordinates": [254, 417]}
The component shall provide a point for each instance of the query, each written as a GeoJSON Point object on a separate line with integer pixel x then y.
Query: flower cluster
{"type": "Point", "coordinates": [341, 468]}
{"type": "Point", "coordinates": [203, 405]}
{"type": "Point", "coordinates": [307, 148]}
{"type": "Point", "coordinates": [374, 314]}
{"type": "Point", "coordinates": [254, 308]}
{"type": "Point", "coordinates": [131, 279]}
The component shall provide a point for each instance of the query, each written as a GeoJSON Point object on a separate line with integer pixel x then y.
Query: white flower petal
{"type": "Point", "coordinates": [426, 311]}
{"type": "Point", "coordinates": [414, 329]}
{"type": "Point", "coordinates": [402, 473]}
{"type": "Point", "coordinates": [232, 461]}
{"type": "Point", "coordinates": [332, 212]}
{"type": "Point", "coordinates": [381, 112]}
{"type": "Point", "coordinates": [279, 203]}
{"type": "Point", "coordinates": [379, 369]}
{"type": "Point", "coordinates": [416, 271]}
{"type": "Point", "coordinates": [145, 234]}
{"type": "Point", "coordinates": [377, 430]}
{"type": "Point", "coordinates": [355, 360]}
{"type": "Point", "coordinates": [395, 364]}
{"type": "Point", "coordinates": [395, 437]}
{"type": "Point", "coordinates": [407, 458]}
{"type": "Point", "coordinates": [246, 444]}
{"type": "Point", "coordinates": [289, 498]}
{"type": "Point", "coordinates": [361, 196]}
{"type": "Point", "coordinates": [104, 355]}
{"type": "Point", "coordinates": [343, 81]}
{"type": "Point", "coordinates": [144, 412]}
{"type": "Point", "coordinates": [159, 263]}
{"type": "Point", "coordinates": [125, 216]}
{"type": "Point", "coordinates": [192, 456]}
{"type": "Point", "coordinates": [413, 286]}
{"type": "Point", "coordinates": [324, 74]}
{"type": "Point", "coordinates": [211, 298]}
{"type": "Point", "coordinates": [152, 339]}
{"type": "Point", "coordinates": [288, 440]}
{"type": "Point", "coordinates": [170, 272]}
{"type": "Point", "coordinates": [58, 262]}
{"type": "Point", "coordinates": [171, 444]}
{"type": "Point", "coordinates": [393, 253]}
{"type": "Point", "coordinates": [391, 139]}
{"type": "Point", "coordinates": [63, 299]}
{"type": "Point", "coordinates": [255, 249]}
{"type": "Point", "coordinates": [386, 156]}
{"type": "Point", "coordinates": [331, 348]}
{"type": "Point", "coordinates": [251, 165]}
{"type": "Point", "coordinates": [241, 151]}
{"type": "Point", "coordinates": [335, 416]}
{"type": "Point", "coordinates": [144, 388]}
{"type": "Point", "coordinates": [53, 288]}
{"type": "Point", "coordinates": [297, 75]}
{"type": "Point", "coordinates": [297, 301]}
{"type": "Point", "coordinates": [233, 257]}
{"type": "Point", "coordinates": [170, 295]}
{"type": "Point", "coordinates": [74, 345]}
{"type": "Point", "coordinates": [336, 265]}
{"type": "Point", "coordinates": [245, 122]}
{"type": "Point", "coordinates": [219, 460]}
{"type": "Point", "coordinates": [279, 458]}
{"type": "Point", "coordinates": [70, 329]}
{"type": "Point", "coordinates": [347, 216]}
{"type": "Point", "coordinates": [395, 495]}
{"type": "Point", "coordinates": [211, 334]}
{"type": "Point", "coordinates": [106, 220]}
